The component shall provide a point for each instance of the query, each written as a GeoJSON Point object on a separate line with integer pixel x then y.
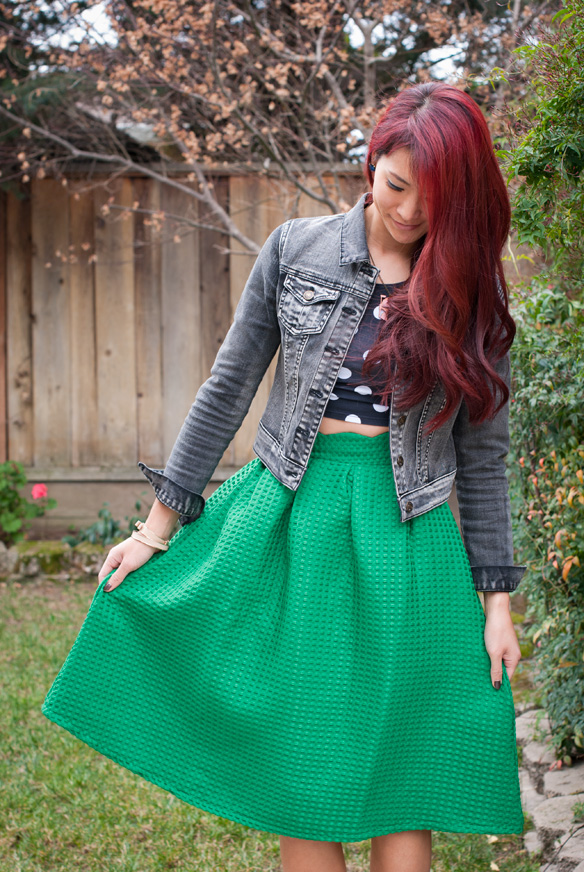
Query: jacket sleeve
{"type": "Point", "coordinates": [223, 400]}
{"type": "Point", "coordinates": [482, 490]}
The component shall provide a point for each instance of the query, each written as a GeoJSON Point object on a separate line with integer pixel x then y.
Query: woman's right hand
{"type": "Point", "coordinates": [126, 556]}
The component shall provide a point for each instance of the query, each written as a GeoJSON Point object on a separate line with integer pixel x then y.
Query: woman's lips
{"type": "Point", "coordinates": [405, 226]}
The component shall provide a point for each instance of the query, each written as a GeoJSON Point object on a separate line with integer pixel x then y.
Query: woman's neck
{"type": "Point", "coordinates": [391, 258]}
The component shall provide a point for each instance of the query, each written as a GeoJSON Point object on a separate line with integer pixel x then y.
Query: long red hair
{"type": "Point", "coordinates": [450, 322]}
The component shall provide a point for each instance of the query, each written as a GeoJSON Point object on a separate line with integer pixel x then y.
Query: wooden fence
{"type": "Point", "coordinates": [108, 326]}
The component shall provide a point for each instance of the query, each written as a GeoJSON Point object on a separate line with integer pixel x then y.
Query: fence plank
{"type": "Point", "coordinates": [115, 327]}
{"type": "Point", "coordinates": [19, 329]}
{"type": "Point", "coordinates": [148, 325]}
{"type": "Point", "coordinates": [84, 409]}
{"type": "Point", "coordinates": [51, 323]}
{"type": "Point", "coordinates": [3, 361]}
{"type": "Point", "coordinates": [256, 207]}
{"type": "Point", "coordinates": [181, 315]}
{"type": "Point", "coordinates": [215, 290]}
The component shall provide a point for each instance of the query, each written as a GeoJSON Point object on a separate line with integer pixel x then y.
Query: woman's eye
{"type": "Point", "coordinates": [394, 187]}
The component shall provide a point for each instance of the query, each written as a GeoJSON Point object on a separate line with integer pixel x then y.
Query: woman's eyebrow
{"type": "Point", "coordinates": [398, 177]}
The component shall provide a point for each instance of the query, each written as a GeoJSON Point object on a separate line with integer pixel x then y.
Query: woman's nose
{"type": "Point", "coordinates": [411, 210]}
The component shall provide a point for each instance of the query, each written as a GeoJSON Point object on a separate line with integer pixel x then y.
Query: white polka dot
{"type": "Point", "coordinates": [333, 397]}
{"type": "Point", "coordinates": [355, 419]}
{"type": "Point", "coordinates": [365, 353]}
{"type": "Point", "coordinates": [363, 389]}
{"type": "Point", "coordinates": [345, 373]}
{"type": "Point", "coordinates": [379, 408]}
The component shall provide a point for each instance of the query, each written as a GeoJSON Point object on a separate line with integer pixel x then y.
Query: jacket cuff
{"type": "Point", "coordinates": [503, 578]}
{"type": "Point", "coordinates": [187, 503]}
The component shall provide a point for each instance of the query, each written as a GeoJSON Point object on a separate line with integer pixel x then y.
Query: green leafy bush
{"type": "Point", "coordinates": [16, 511]}
{"type": "Point", "coordinates": [547, 132]}
{"type": "Point", "coordinates": [547, 413]}
{"type": "Point", "coordinates": [547, 485]}
{"type": "Point", "coordinates": [105, 531]}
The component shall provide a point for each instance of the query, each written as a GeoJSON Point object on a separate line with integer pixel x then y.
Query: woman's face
{"type": "Point", "coordinates": [398, 204]}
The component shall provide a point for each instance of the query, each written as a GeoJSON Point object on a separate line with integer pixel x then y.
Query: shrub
{"type": "Point", "coordinates": [547, 133]}
{"type": "Point", "coordinates": [105, 531]}
{"type": "Point", "coordinates": [16, 511]}
{"type": "Point", "coordinates": [547, 487]}
{"type": "Point", "coordinates": [547, 414]}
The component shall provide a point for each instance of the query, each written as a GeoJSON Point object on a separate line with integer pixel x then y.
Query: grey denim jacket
{"type": "Point", "coordinates": [305, 295]}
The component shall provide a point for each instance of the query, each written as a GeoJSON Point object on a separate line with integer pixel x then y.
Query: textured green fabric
{"type": "Point", "coordinates": [303, 662]}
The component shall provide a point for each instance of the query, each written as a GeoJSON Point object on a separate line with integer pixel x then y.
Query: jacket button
{"type": "Point", "coordinates": [400, 460]}
{"type": "Point", "coordinates": [401, 420]}
{"type": "Point", "coordinates": [309, 294]}
{"type": "Point", "coordinates": [409, 506]}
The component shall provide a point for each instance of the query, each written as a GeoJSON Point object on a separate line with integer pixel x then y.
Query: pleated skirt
{"type": "Point", "coordinates": [303, 662]}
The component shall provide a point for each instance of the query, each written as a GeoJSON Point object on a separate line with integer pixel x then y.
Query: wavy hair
{"type": "Point", "coordinates": [450, 321]}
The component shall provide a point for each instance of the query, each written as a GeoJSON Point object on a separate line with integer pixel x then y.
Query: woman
{"type": "Point", "coordinates": [309, 655]}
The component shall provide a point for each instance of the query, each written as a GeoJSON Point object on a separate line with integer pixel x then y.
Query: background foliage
{"type": "Point", "coordinates": [547, 457]}
{"type": "Point", "coordinates": [16, 511]}
{"type": "Point", "coordinates": [291, 88]}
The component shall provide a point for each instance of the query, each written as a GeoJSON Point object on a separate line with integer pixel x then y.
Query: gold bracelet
{"type": "Point", "coordinates": [150, 534]}
{"type": "Point", "coordinates": [142, 538]}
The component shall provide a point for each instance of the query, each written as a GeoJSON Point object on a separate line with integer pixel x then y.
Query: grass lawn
{"type": "Point", "coordinates": [66, 807]}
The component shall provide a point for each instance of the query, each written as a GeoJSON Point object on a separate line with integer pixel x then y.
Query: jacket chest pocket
{"type": "Point", "coordinates": [305, 306]}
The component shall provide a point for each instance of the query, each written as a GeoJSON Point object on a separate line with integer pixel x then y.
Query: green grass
{"type": "Point", "coordinates": [66, 808]}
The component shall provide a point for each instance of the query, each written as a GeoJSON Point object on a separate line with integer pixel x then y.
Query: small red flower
{"type": "Point", "coordinates": [39, 491]}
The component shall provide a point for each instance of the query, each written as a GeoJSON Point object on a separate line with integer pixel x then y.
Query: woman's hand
{"type": "Point", "coordinates": [127, 556]}
{"type": "Point", "coordinates": [500, 637]}
{"type": "Point", "coordinates": [132, 553]}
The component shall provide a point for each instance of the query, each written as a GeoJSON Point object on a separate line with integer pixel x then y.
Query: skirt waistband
{"type": "Point", "coordinates": [352, 447]}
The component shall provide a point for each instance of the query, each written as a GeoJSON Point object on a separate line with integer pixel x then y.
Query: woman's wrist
{"type": "Point", "coordinates": [161, 520]}
{"type": "Point", "coordinates": [496, 600]}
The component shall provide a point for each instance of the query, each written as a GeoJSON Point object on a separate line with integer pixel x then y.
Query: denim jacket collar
{"type": "Point", "coordinates": [353, 236]}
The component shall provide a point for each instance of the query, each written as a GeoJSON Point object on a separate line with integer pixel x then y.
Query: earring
{"type": "Point", "coordinates": [372, 167]}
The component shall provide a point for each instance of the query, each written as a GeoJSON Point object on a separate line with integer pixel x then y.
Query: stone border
{"type": "Point", "coordinates": [54, 559]}
{"type": "Point", "coordinates": [548, 795]}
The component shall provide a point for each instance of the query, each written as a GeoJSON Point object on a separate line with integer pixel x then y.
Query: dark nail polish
{"type": "Point", "coordinates": [497, 685]}
{"type": "Point", "coordinates": [107, 586]}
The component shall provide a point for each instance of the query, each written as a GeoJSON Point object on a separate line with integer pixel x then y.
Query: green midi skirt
{"type": "Point", "coordinates": [303, 662]}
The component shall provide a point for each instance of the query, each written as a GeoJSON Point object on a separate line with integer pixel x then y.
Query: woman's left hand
{"type": "Point", "coordinates": [501, 642]}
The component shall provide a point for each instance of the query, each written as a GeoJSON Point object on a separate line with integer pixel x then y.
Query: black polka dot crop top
{"type": "Point", "coordinates": [352, 398]}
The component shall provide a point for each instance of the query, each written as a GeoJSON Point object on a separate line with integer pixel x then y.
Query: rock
{"type": "Point", "coordinates": [532, 725]}
{"type": "Point", "coordinates": [30, 568]}
{"type": "Point", "coordinates": [565, 781]}
{"type": "Point", "coordinates": [573, 849]}
{"type": "Point", "coordinates": [579, 867]}
{"type": "Point", "coordinates": [8, 561]}
{"type": "Point", "coordinates": [52, 555]}
{"type": "Point", "coordinates": [88, 557]}
{"type": "Point", "coordinates": [532, 842]}
{"type": "Point", "coordinates": [537, 757]}
{"type": "Point", "coordinates": [524, 706]}
{"type": "Point", "coordinates": [530, 797]}
{"type": "Point", "coordinates": [554, 818]}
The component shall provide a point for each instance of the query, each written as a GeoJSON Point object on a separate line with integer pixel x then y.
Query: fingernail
{"type": "Point", "coordinates": [107, 586]}
{"type": "Point", "coordinates": [497, 685]}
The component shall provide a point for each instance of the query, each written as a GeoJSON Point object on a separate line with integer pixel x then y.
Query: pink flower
{"type": "Point", "coordinates": [39, 491]}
